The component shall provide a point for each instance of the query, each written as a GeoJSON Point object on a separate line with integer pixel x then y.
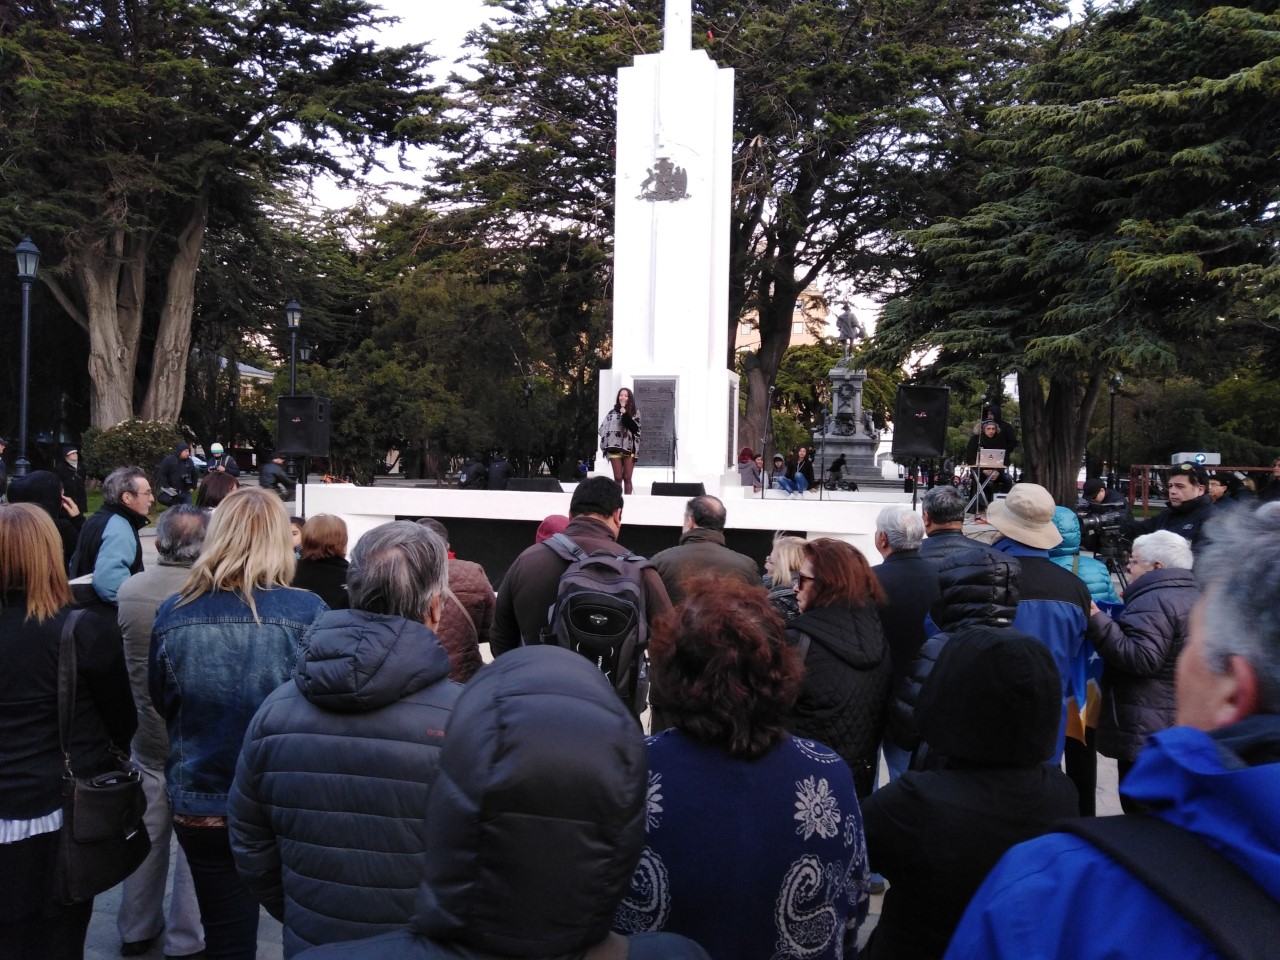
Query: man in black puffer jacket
{"type": "Point", "coordinates": [327, 811]}
{"type": "Point", "coordinates": [979, 590]}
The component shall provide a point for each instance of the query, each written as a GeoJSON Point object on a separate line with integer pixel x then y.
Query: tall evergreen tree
{"type": "Point", "coordinates": [128, 128]}
{"type": "Point", "coordinates": [1128, 221]}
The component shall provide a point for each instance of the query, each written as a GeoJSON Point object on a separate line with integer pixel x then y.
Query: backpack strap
{"type": "Point", "coordinates": [564, 548]}
{"type": "Point", "coordinates": [1219, 899]}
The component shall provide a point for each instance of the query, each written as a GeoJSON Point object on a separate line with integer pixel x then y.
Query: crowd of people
{"type": "Point", "coordinates": [315, 724]}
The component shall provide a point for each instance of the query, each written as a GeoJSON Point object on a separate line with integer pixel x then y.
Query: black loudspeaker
{"type": "Point", "coordinates": [678, 489]}
{"type": "Point", "coordinates": [920, 422]}
{"type": "Point", "coordinates": [302, 426]}
{"type": "Point", "coordinates": [535, 485]}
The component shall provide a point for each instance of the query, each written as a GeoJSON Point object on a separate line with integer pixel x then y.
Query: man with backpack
{"type": "Point", "coordinates": [1197, 872]}
{"type": "Point", "coordinates": [528, 597]}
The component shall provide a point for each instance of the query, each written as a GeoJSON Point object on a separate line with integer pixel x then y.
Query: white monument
{"type": "Point", "coordinates": [671, 260]}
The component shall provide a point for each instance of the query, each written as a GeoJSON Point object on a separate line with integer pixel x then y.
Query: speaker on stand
{"type": "Point", "coordinates": [302, 430]}
{"type": "Point", "coordinates": [920, 426]}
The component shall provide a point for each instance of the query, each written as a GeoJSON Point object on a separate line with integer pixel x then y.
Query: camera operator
{"type": "Point", "coordinates": [1190, 506]}
{"type": "Point", "coordinates": [1098, 499]}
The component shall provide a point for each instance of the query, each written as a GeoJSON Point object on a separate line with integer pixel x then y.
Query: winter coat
{"type": "Point", "coordinates": [977, 587]}
{"type": "Point", "coordinates": [1053, 606]}
{"type": "Point", "coordinates": [532, 581]}
{"type": "Point", "coordinates": [911, 588]}
{"type": "Point", "coordinates": [701, 551]}
{"type": "Point", "coordinates": [1061, 898]}
{"type": "Point", "coordinates": [942, 543]}
{"type": "Point", "coordinates": [725, 830]}
{"type": "Point", "coordinates": [537, 818]}
{"type": "Point", "coordinates": [333, 779]}
{"type": "Point", "coordinates": [109, 549]}
{"type": "Point", "coordinates": [175, 473]}
{"type": "Point", "coordinates": [1187, 519]}
{"type": "Point", "coordinates": [991, 708]}
{"type": "Point", "coordinates": [326, 578]}
{"type": "Point", "coordinates": [73, 484]}
{"type": "Point", "coordinates": [620, 432]}
{"type": "Point", "coordinates": [1067, 555]}
{"type": "Point", "coordinates": [44, 489]}
{"type": "Point", "coordinates": [845, 694]}
{"type": "Point", "coordinates": [1140, 648]}
{"type": "Point", "coordinates": [466, 618]}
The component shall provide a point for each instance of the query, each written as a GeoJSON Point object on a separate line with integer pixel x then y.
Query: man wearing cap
{"type": "Point", "coordinates": [176, 476]}
{"type": "Point", "coordinates": [68, 471]}
{"type": "Point", "coordinates": [1190, 506]}
{"type": "Point", "coordinates": [1220, 489]}
{"type": "Point", "coordinates": [1054, 604]}
{"type": "Point", "coordinates": [222, 462]}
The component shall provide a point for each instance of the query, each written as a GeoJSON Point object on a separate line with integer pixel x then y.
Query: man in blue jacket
{"type": "Point", "coordinates": [1054, 603]}
{"type": "Point", "coordinates": [109, 547]}
{"type": "Point", "coordinates": [1216, 775]}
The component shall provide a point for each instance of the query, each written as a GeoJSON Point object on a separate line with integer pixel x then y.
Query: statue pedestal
{"type": "Point", "coordinates": [849, 430]}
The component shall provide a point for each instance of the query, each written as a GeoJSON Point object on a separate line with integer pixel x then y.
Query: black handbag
{"type": "Point", "coordinates": [103, 838]}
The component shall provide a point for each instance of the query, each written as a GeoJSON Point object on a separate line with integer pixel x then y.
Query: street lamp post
{"type": "Point", "coordinates": [28, 262]}
{"type": "Point", "coordinates": [293, 315]}
{"type": "Point", "coordinates": [1116, 383]}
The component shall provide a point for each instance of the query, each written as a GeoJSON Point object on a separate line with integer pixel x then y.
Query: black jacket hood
{"type": "Point", "coordinates": [992, 699]}
{"type": "Point", "coordinates": [851, 633]}
{"type": "Point", "coordinates": [978, 585]}
{"type": "Point", "coordinates": [356, 661]}
{"type": "Point", "coordinates": [537, 813]}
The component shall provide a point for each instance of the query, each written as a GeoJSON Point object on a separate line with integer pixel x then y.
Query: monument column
{"type": "Point", "coordinates": [671, 258]}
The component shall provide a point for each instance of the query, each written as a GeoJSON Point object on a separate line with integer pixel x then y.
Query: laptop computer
{"type": "Point", "coordinates": [990, 458]}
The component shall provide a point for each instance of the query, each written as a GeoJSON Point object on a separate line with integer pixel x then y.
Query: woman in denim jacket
{"type": "Point", "coordinates": [219, 647]}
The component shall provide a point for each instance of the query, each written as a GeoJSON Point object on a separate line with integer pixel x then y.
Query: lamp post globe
{"type": "Point", "coordinates": [28, 255]}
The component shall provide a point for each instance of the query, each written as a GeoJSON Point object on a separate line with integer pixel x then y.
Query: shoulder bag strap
{"type": "Point", "coordinates": [466, 615]}
{"type": "Point", "coordinates": [1222, 901]}
{"type": "Point", "coordinates": [67, 685]}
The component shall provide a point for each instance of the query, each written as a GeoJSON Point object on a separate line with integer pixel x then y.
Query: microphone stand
{"type": "Point", "coordinates": [766, 463]}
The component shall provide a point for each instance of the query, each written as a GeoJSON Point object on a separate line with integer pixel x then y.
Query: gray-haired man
{"type": "Point", "coordinates": [179, 537]}
{"type": "Point", "coordinates": [333, 778]}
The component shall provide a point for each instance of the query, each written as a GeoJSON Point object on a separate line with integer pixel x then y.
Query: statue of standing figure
{"type": "Point", "coordinates": [849, 330]}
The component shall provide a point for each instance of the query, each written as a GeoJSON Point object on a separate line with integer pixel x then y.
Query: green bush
{"type": "Point", "coordinates": [141, 443]}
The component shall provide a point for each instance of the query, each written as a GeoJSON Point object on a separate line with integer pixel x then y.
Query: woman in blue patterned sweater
{"type": "Point", "coordinates": [755, 846]}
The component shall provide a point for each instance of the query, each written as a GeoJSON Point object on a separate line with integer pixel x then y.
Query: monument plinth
{"type": "Point", "coordinates": [671, 259]}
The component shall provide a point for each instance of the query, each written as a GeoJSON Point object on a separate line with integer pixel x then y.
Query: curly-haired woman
{"type": "Point", "coordinates": [755, 846]}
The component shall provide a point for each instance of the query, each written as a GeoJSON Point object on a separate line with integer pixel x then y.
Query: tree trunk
{"type": "Point", "coordinates": [111, 276]}
{"type": "Point", "coordinates": [762, 368]}
{"type": "Point", "coordinates": [163, 401]}
{"type": "Point", "coordinates": [1054, 429]}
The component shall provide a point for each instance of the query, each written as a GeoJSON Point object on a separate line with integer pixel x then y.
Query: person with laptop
{"type": "Point", "coordinates": [987, 453]}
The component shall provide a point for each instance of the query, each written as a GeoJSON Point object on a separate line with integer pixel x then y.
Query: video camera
{"type": "Point", "coordinates": [1103, 532]}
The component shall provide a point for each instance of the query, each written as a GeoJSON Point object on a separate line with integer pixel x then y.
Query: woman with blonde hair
{"type": "Point", "coordinates": [35, 601]}
{"type": "Point", "coordinates": [780, 569]}
{"type": "Point", "coordinates": [227, 639]}
{"type": "Point", "coordinates": [322, 568]}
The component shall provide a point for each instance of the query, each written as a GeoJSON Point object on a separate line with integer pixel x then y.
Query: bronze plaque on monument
{"type": "Point", "coordinates": [656, 401]}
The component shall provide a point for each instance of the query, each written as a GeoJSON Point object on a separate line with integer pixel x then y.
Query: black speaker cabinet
{"type": "Point", "coordinates": [302, 426]}
{"type": "Point", "coordinates": [920, 422]}
{"type": "Point", "coordinates": [535, 485]}
{"type": "Point", "coordinates": [678, 489]}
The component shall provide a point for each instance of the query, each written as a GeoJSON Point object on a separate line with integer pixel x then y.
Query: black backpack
{"type": "Point", "coordinates": [599, 612]}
